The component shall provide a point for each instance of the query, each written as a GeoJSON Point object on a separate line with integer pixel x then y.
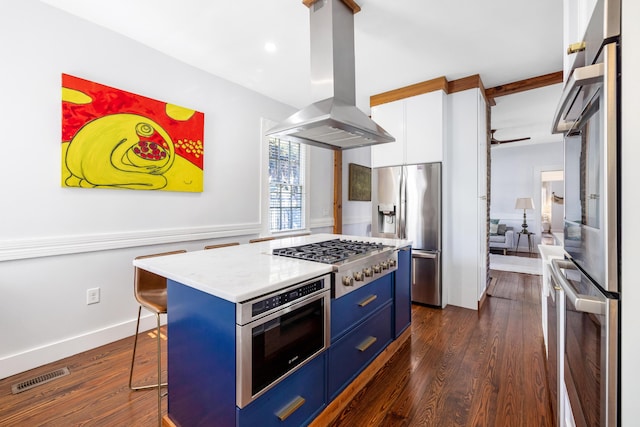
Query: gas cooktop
{"type": "Point", "coordinates": [355, 263]}
{"type": "Point", "coordinates": [331, 251]}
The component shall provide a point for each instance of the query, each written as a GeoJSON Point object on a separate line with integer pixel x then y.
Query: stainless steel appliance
{"type": "Point", "coordinates": [355, 263]}
{"type": "Point", "coordinates": [590, 347]}
{"type": "Point", "coordinates": [588, 115]}
{"type": "Point", "coordinates": [407, 205]}
{"type": "Point", "coordinates": [555, 351]}
{"type": "Point", "coordinates": [278, 333]}
{"type": "Point", "coordinates": [334, 121]}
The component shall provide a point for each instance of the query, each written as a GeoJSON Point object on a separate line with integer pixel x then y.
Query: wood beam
{"type": "Point", "coordinates": [440, 83]}
{"type": "Point", "coordinates": [351, 4]}
{"type": "Point", "coordinates": [524, 85]}
{"type": "Point", "coordinates": [337, 192]}
{"type": "Point", "coordinates": [432, 85]}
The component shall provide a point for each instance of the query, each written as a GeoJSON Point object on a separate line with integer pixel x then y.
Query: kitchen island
{"type": "Point", "coordinates": [212, 363]}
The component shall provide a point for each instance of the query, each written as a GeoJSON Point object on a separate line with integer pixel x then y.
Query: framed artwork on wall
{"type": "Point", "coordinates": [359, 182]}
{"type": "Point", "coordinates": [117, 139]}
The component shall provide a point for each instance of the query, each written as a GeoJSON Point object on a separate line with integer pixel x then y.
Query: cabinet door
{"type": "Point", "coordinates": [483, 260]}
{"type": "Point", "coordinates": [294, 402]}
{"type": "Point", "coordinates": [354, 351]}
{"type": "Point", "coordinates": [424, 121]}
{"type": "Point", "coordinates": [402, 292]}
{"type": "Point", "coordinates": [351, 309]}
{"type": "Point", "coordinates": [391, 117]}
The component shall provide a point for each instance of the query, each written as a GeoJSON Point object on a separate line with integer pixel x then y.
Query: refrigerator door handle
{"type": "Point", "coordinates": [430, 255]}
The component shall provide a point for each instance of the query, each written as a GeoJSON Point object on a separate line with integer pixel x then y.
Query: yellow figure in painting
{"type": "Point", "coordinates": [120, 150]}
{"type": "Point", "coordinates": [116, 139]}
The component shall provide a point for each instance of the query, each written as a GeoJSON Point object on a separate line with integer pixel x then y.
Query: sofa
{"type": "Point", "coordinates": [501, 237]}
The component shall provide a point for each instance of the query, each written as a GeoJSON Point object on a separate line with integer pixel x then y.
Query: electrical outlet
{"type": "Point", "coordinates": [93, 296]}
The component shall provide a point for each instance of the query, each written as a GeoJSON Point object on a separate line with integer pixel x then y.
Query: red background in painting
{"type": "Point", "coordinates": [108, 100]}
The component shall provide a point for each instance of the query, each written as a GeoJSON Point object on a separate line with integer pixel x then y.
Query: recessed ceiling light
{"type": "Point", "coordinates": [270, 47]}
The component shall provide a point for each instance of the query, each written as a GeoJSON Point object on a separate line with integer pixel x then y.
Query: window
{"type": "Point", "coordinates": [286, 185]}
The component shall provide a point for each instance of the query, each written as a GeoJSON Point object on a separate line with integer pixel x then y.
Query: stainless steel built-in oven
{"type": "Point", "coordinates": [588, 115]}
{"type": "Point", "coordinates": [555, 348]}
{"type": "Point", "coordinates": [278, 333]}
{"type": "Point", "coordinates": [590, 348]}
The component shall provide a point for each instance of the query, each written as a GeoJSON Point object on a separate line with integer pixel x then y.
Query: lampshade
{"type": "Point", "coordinates": [524, 203]}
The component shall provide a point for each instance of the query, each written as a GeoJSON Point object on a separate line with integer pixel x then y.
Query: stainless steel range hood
{"type": "Point", "coordinates": [335, 122]}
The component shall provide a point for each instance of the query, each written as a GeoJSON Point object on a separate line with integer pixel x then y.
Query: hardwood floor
{"type": "Point", "coordinates": [464, 368]}
{"type": "Point", "coordinates": [95, 393]}
{"type": "Point", "coordinates": [459, 368]}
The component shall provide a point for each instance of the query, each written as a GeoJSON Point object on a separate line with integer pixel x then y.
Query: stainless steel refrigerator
{"type": "Point", "coordinates": [407, 204]}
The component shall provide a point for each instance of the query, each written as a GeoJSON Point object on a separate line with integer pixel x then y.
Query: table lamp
{"type": "Point", "coordinates": [524, 203]}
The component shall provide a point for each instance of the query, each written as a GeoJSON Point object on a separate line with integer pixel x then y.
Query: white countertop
{"type": "Point", "coordinates": [243, 272]}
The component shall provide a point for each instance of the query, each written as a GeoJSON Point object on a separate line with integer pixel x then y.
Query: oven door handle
{"type": "Point", "coordinates": [582, 303]}
{"type": "Point", "coordinates": [583, 76]}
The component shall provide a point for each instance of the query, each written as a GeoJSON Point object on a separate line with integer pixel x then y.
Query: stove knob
{"type": "Point", "coordinates": [384, 265]}
{"type": "Point", "coordinates": [376, 269]}
{"type": "Point", "coordinates": [358, 276]}
{"type": "Point", "coordinates": [392, 263]}
{"type": "Point", "coordinates": [347, 280]}
{"type": "Point", "coordinates": [368, 272]}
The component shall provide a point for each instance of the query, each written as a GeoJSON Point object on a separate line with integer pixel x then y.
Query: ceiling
{"type": "Point", "coordinates": [397, 43]}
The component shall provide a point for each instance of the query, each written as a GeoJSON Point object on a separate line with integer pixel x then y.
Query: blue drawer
{"type": "Point", "coordinates": [352, 353]}
{"type": "Point", "coordinates": [307, 383]}
{"type": "Point", "coordinates": [353, 307]}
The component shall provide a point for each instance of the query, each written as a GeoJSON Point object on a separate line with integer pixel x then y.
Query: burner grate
{"type": "Point", "coordinates": [330, 251]}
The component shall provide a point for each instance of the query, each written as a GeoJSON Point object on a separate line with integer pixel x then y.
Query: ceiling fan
{"type": "Point", "coordinates": [498, 142]}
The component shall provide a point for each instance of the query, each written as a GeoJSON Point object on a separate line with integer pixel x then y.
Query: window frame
{"type": "Point", "coordinates": [266, 231]}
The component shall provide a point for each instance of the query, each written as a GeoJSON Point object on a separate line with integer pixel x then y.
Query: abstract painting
{"type": "Point", "coordinates": [116, 139]}
{"type": "Point", "coordinates": [359, 182]}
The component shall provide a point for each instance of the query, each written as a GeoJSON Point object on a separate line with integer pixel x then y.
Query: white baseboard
{"type": "Point", "coordinates": [52, 352]}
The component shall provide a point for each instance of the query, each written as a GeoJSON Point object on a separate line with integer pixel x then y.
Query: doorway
{"type": "Point", "coordinates": [551, 204]}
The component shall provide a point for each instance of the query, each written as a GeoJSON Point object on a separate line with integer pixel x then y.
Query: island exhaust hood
{"type": "Point", "coordinates": [335, 122]}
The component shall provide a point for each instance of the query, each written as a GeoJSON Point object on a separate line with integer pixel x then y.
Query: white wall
{"type": "Point", "coordinates": [57, 242]}
{"type": "Point", "coordinates": [630, 284]}
{"type": "Point", "coordinates": [356, 215]}
{"type": "Point", "coordinates": [515, 172]}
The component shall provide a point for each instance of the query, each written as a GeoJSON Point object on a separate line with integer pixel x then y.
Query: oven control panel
{"type": "Point", "coordinates": [259, 307]}
{"type": "Point", "coordinates": [286, 297]}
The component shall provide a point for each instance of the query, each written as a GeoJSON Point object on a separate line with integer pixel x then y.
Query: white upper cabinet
{"type": "Point", "coordinates": [577, 14]}
{"type": "Point", "coordinates": [391, 117]}
{"type": "Point", "coordinates": [425, 127]}
{"type": "Point", "coordinates": [418, 125]}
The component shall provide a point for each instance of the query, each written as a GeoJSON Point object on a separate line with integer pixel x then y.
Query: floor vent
{"type": "Point", "coordinates": [40, 379]}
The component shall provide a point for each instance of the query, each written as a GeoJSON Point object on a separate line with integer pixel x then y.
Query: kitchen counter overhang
{"type": "Point", "coordinates": [241, 273]}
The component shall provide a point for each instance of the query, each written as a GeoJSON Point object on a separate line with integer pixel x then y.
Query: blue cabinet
{"type": "Point", "coordinates": [296, 401]}
{"type": "Point", "coordinates": [402, 292]}
{"type": "Point", "coordinates": [355, 306]}
{"type": "Point", "coordinates": [355, 350]}
{"type": "Point", "coordinates": [202, 354]}
{"type": "Point", "coordinates": [361, 327]}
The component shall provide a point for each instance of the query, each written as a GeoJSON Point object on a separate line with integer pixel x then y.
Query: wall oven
{"type": "Point", "coordinates": [555, 348]}
{"type": "Point", "coordinates": [588, 115]}
{"type": "Point", "coordinates": [590, 347]}
{"type": "Point", "coordinates": [278, 333]}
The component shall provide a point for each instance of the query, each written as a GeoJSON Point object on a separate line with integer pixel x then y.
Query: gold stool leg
{"type": "Point", "coordinates": [159, 384]}
{"type": "Point", "coordinates": [135, 345]}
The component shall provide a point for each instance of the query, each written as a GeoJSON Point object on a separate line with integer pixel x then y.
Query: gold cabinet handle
{"type": "Point", "coordinates": [367, 300]}
{"type": "Point", "coordinates": [366, 343]}
{"type": "Point", "coordinates": [576, 47]}
{"type": "Point", "coordinates": [292, 407]}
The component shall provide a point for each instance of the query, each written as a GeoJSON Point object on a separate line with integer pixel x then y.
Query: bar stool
{"type": "Point", "coordinates": [221, 245]}
{"type": "Point", "coordinates": [150, 290]}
